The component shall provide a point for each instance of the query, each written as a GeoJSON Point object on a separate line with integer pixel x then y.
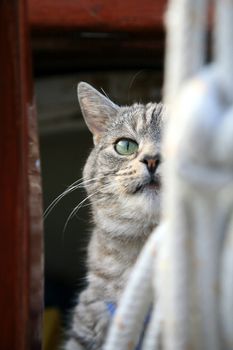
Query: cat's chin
{"type": "Point", "coordinates": [149, 190]}
{"type": "Point", "coordinates": [148, 196]}
{"type": "Point", "coordinates": [152, 187]}
{"type": "Point", "coordinates": [146, 204]}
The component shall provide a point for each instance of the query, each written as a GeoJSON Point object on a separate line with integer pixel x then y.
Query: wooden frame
{"type": "Point", "coordinates": [20, 201]}
{"type": "Point", "coordinates": [98, 15]}
{"type": "Point", "coordinates": [21, 258]}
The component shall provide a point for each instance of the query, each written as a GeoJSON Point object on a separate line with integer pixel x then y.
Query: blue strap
{"type": "Point", "coordinates": [111, 308]}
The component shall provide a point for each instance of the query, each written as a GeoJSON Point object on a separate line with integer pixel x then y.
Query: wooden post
{"type": "Point", "coordinates": [20, 199]}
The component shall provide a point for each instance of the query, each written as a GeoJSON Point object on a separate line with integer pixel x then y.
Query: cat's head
{"type": "Point", "coordinates": [125, 163]}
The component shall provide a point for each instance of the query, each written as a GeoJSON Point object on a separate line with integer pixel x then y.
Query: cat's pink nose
{"type": "Point", "coordinates": [152, 163]}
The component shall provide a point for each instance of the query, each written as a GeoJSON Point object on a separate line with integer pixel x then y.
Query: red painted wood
{"type": "Point", "coordinates": [98, 15]}
{"type": "Point", "coordinates": [16, 230]}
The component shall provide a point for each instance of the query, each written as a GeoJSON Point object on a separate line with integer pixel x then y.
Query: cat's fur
{"type": "Point", "coordinates": [125, 208]}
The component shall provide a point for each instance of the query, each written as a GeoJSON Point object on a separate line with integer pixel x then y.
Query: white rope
{"type": "Point", "coordinates": [196, 206]}
{"type": "Point", "coordinates": [226, 284]}
{"type": "Point", "coordinates": [192, 285]}
{"type": "Point", "coordinates": [223, 48]}
{"type": "Point", "coordinates": [152, 337]}
{"type": "Point", "coordinates": [190, 307]}
{"type": "Point", "coordinates": [224, 57]}
{"type": "Point", "coordinates": [185, 43]}
{"type": "Point", "coordinates": [136, 301]}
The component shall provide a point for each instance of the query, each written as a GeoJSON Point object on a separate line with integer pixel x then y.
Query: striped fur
{"type": "Point", "coordinates": [123, 217]}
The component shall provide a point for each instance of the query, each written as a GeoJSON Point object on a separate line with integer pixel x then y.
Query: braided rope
{"type": "Point", "coordinates": [224, 57]}
{"type": "Point", "coordinates": [192, 285]}
{"type": "Point", "coordinates": [226, 282]}
{"type": "Point", "coordinates": [223, 48]}
{"type": "Point", "coordinates": [198, 201]}
{"type": "Point", "coordinates": [185, 43]}
{"type": "Point", "coordinates": [136, 301]}
{"type": "Point", "coordinates": [190, 305]}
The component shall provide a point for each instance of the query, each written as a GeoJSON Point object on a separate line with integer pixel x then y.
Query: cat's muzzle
{"type": "Point", "coordinates": [153, 184]}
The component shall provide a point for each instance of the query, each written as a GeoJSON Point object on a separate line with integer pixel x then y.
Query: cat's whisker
{"type": "Point", "coordinates": [56, 200]}
{"type": "Point", "coordinates": [76, 182]}
{"type": "Point", "coordinates": [81, 180]}
{"type": "Point", "coordinates": [70, 189]}
{"type": "Point", "coordinates": [105, 93]}
{"type": "Point", "coordinates": [133, 80]}
{"type": "Point", "coordinates": [76, 209]}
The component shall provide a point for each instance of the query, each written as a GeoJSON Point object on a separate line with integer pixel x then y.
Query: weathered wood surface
{"type": "Point", "coordinates": [36, 238]}
{"type": "Point", "coordinates": [20, 200]}
{"type": "Point", "coordinates": [98, 15]}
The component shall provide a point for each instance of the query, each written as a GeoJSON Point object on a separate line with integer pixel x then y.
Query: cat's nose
{"type": "Point", "coordinates": [152, 163]}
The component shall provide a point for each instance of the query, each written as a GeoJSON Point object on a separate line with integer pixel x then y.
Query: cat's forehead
{"type": "Point", "coordinates": [139, 119]}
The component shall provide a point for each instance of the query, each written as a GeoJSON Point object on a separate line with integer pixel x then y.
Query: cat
{"type": "Point", "coordinates": [123, 181]}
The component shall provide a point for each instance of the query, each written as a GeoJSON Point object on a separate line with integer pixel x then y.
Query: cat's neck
{"type": "Point", "coordinates": [131, 226]}
{"type": "Point", "coordinates": [113, 250]}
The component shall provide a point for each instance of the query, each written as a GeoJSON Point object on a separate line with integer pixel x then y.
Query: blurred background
{"type": "Point", "coordinates": [118, 47]}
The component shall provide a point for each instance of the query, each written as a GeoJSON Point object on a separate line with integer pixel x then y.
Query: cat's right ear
{"type": "Point", "coordinates": [97, 109]}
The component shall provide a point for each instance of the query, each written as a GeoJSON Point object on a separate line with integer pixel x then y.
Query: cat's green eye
{"type": "Point", "coordinates": [126, 147]}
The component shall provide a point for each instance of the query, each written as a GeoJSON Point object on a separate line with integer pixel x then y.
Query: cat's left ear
{"type": "Point", "coordinates": [97, 109]}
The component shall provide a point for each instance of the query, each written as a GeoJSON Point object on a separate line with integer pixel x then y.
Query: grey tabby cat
{"type": "Point", "coordinates": [122, 175]}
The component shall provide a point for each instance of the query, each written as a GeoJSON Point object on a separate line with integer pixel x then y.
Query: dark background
{"type": "Point", "coordinates": [123, 56]}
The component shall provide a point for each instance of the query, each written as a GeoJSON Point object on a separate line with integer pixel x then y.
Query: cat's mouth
{"type": "Point", "coordinates": [153, 185]}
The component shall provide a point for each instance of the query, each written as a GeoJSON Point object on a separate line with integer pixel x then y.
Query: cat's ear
{"type": "Point", "coordinates": [97, 109]}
